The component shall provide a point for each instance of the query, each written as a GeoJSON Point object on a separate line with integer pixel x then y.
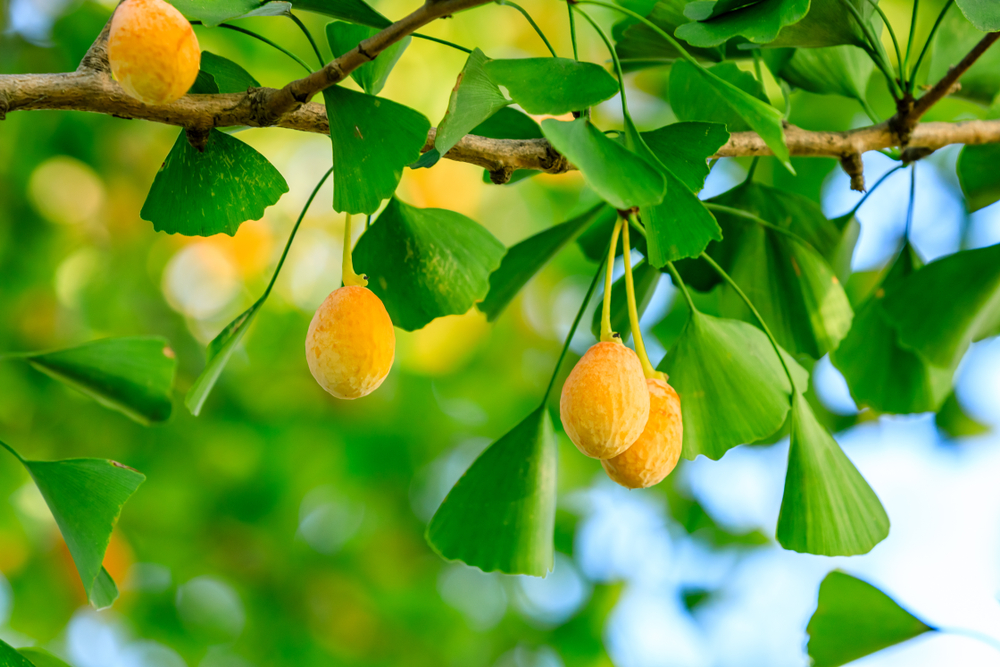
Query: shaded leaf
{"type": "Point", "coordinates": [10, 657]}
{"type": "Point", "coordinates": [593, 242]}
{"type": "Point", "coordinates": [552, 85]}
{"type": "Point", "coordinates": [426, 263]}
{"type": "Point", "coordinates": [955, 37]}
{"type": "Point", "coordinates": [214, 12]}
{"type": "Point", "coordinates": [525, 259]}
{"type": "Point", "coordinates": [719, 364]}
{"type": "Point", "coordinates": [218, 353]}
{"type": "Point", "coordinates": [639, 42]}
{"type": "Point", "coordinates": [373, 139]}
{"type": "Point", "coordinates": [827, 508]}
{"type": "Point", "coordinates": [984, 14]}
{"type": "Point", "coordinates": [719, 94]}
{"type": "Point", "coordinates": [474, 100]}
{"type": "Point", "coordinates": [500, 515]}
{"type": "Point", "coordinates": [211, 192]}
{"type": "Point", "coordinates": [758, 22]}
{"type": "Point", "coordinates": [947, 304]}
{"type": "Point", "coordinates": [134, 375]}
{"type": "Point", "coordinates": [879, 372]}
{"type": "Point", "coordinates": [509, 123]}
{"type": "Point", "coordinates": [679, 226]}
{"type": "Point", "coordinates": [39, 657]}
{"type": "Point", "coordinates": [344, 37]}
{"type": "Point", "coordinates": [86, 497]}
{"type": "Point", "coordinates": [978, 176]}
{"type": "Point", "coordinates": [955, 422]}
{"type": "Point", "coordinates": [854, 619]}
{"type": "Point", "coordinates": [227, 75]}
{"type": "Point", "coordinates": [352, 11]}
{"type": "Point", "coordinates": [617, 175]}
{"type": "Point", "coordinates": [645, 278]}
{"type": "Point", "coordinates": [833, 70]}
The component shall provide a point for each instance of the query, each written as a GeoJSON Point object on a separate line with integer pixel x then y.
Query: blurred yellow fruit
{"type": "Point", "coordinates": [605, 403]}
{"type": "Point", "coordinates": [655, 453]}
{"type": "Point", "coordinates": [153, 51]}
{"type": "Point", "coordinates": [351, 343]}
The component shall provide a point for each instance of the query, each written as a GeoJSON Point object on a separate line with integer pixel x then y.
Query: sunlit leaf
{"type": "Point", "coordinates": [639, 42]}
{"type": "Point", "coordinates": [39, 657]}
{"type": "Point", "coordinates": [553, 85]}
{"type": "Point", "coordinates": [211, 192]}
{"type": "Point", "coordinates": [86, 497]}
{"type": "Point", "coordinates": [228, 76]}
{"type": "Point", "coordinates": [953, 420]}
{"type": "Point", "coordinates": [134, 375]}
{"type": "Point", "coordinates": [955, 37]}
{"type": "Point", "coordinates": [719, 94]}
{"type": "Point", "coordinates": [838, 70]}
{"type": "Point", "coordinates": [828, 508]}
{"type": "Point", "coordinates": [500, 515]}
{"type": "Point", "coordinates": [758, 22]}
{"type": "Point", "coordinates": [352, 11]}
{"type": "Point", "coordinates": [978, 175]}
{"type": "Point", "coordinates": [214, 12]}
{"type": "Point", "coordinates": [854, 619]}
{"type": "Point", "coordinates": [619, 176]}
{"type": "Point", "coordinates": [371, 76]}
{"type": "Point", "coordinates": [473, 100]}
{"type": "Point", "coordinates": [373, 139]}
{"type": "Point", "coordinates": [984, 14]}
{"type": "Point", "coordinates": [525, 259]}
{"type": "Point", "coordinates": [10, 657]}
{"type": "Point", "coordinates": [645, 278]}
{"type": "Point", "coordinates": [879, 372]}
{"type": "Point", "coordinates": [732, 386]}
{"type": "Point", "coordinates": [426, 263]}
{"type": "Point", "coordinates": [218, 353]}
{"type": "Point", "coordinates": [948, 304]}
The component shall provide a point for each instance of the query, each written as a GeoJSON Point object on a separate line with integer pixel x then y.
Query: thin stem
{"type": "Point", "coordinates": [740, 213]}
{"type": "Point", "coordinates": [652, 26]}
{"type": "Point", "coordinates": [572, 30]}
{"type": "Point", "coordinates": [872, 116]}
{"type": "Point", "coordinates": [349, 276]}
{"type": "Point", "coordinates": [572, 330]}
{"type": "Point", "coordinates": [763, 325]}
{"type": "Point", "coordinates": [368, 221]}
{"type": "Point", "coordinates": [872, 189]}
{"type": "Point", "coordinates": [927, 44]}
{"type": "Point", "coordinates": [614, 57]}
{"type": "Point", "coordinates": [913, 34]}
{"type": "Point", "coordinates": [305, 30]}
{"type": "Point", "coordinates": [756, 66]}
{"type": "Point", "coordinates": [442, 41]}
{"type": "Point", "coordinates": [295, 229]}
{"type": "Point", "coordinates": [895, 42]}
{"type": "Point", "coordinates": [973, 634]}
{"type": "Point", "coordinates": [12, 451]}
{"type": "Point", "coordinates": [262, 39]}
{"type": "Point", "coordinates": [530, 20]}
{"type": "Point", "coordinates": [875, 51]}
{"type": "Point", "coordinates": [679, 284]}
{"type": "Point", "coordinates": [913, 196]}
{"type": "Point", "coordinates": [753, 169]}
{"type": "Point", "coordinates": [607, 334]}
{"type": "Point", "coordinates": [633, 311]}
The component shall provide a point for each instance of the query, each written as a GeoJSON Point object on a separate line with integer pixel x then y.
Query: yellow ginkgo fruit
{"type": "Point", "coordinates": [655, 454]}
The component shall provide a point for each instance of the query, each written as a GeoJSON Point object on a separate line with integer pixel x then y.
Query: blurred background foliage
{"type": "Point", "coordinates": [283, 527]}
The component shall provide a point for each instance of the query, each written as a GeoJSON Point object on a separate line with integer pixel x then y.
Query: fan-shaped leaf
{"type": "Point", "coordinates": [509, 123]}
{"type": "Point", "coordinates": [758, 22]}
{"type": "Point", "coordinates": [854, 619]}
{"type": "Point", "coordinates": [984, 14]}
{"type": "Point", "coordinates": [473, 100]}
{"type": "Point", "coordinates": [86, 497]}
{"type": "Point", "coordinates": [371, 76]}
{"type": "Point", "coordinates": [955, 37]}
{"type": "Point", "coordinates": [721, 366]}
{"type": "Point", "coordinates": [214, 12]}
{"type": "Point", "coordinates": [10, 657]}
{"type": "Point", "coordinates": [214, 191]}
{"type": "Point", "coordinates": [352, 11]}
{"type": "Point", "coordinates": [977, 175]}
{"type": "Point", "coordinates": [955, 422]}
{"type": "Point", "coordinates": [639, 42]}
{"type": "Point", "coordinates": [229, 77]}
{"type": "Point", "coordinates": [828, 508]}
{"type": "Point", "coordinates": [425, 263]}
{"type": "Point", "coordinates": [525, 259]}
{"type": "Point", "coordinates": [500, 515]}
{"type": "Point", "coordinates": [619, 176]}
{"type": "Point", "coordinates": [833, 70]}
{"type": "Point", "coordinates": [373, 139]}
{"type": "Point", "coordinates": [552, 85]}
{"type": "Point", "coordinates": [134, 375]}
{"type": "Point", "coordinates": [39, 657]}
{"type": "Point", "coordinates": [645, 278]}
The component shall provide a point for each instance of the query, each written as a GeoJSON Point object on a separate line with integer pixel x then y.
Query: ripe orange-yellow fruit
{"type": "Point", "coordinates": [351, 343]}
{"type": "Point", "coordinates": [655, 453]}
{"type": "Point", "coordinates": [153, 51]}
{"type": "Point", "coordinates": [605, 402]}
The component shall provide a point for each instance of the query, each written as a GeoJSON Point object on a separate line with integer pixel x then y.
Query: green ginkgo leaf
{"type": "Point", "coordinates": [11, 657]}
{"type": "Point", "coordinates": [86, 497]}
{"type": "Point", "coordinates": [426, 263]}
{"type": "Point", "coordinates": [38, 657]}
{"type": "Point", "coordinates": [352, 11]}
{"type": "Point", "coordinates": [953, 420]}
{"type": "Point", "coordinates": [758, 22]}
{"type": "Point", "coordinates": [134, 375]}
{"type": "Point", "coordinates": [228, 76]}
{"type": "Point", "coordinates": [879, 372]}
{"type": "Point", "coordinates": [371, 76]}
{"type": "Point", "coordinates": [500, 516]}
{"type": "Point", "coordinates": [955, 37]}
{"type": "Point", "coordinates": [552, 85]}
{"type": "Point", "coordinates": [980, 182]}
{"type": "Point", "coordinates": [946, 305]}
{"type": "Point", "coordinates": [214, 12]}
{"type": "Point", "coordinates": [617, 175]}
{"type": "Point", "coordinates": [645, 278]}
{"type": "Point", "coordinates": [854, 619]}
{"type": "Point", "coordinates": [833, 70]}
{"type": "Point", "coordinates": [721, 366]}
{"type": "Point", "coordinates": [525, 259]}
{"type": "Point", "coordinates": [373, 139]}
{"type": "Point", "coordinates": [641, 44]}
{"type": "Point", "coordinates": [828, 508]}
{"type": "Point", "coordinates": [984, 14]}
{"type": "Point", "coordinates": [474, 99]}
{"type": "Point", "coordinates": [201, 193]}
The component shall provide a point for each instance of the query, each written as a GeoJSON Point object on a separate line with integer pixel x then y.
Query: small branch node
{"type": "Point", "coordinates": [855, 168]}
{"type": "Point", "coordinates": [198, 137]}
{"type": "Point", "coordinates": [502, 175]}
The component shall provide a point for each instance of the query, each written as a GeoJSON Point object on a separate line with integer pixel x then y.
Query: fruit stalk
{"type": "Point", "coordinates": [633, 312]}
{"type": "Point", "coordinates": [349, 276]}
{"type": "Point", "coordinates": [607, 335]}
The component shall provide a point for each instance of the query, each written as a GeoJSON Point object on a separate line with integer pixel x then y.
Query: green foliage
{"type": "Point", "coordinates": [980, 184]}
{"type": "Point", "coordinates": [221, 75]}
{"type": "Point", "coordinates": [953, 40]}
{"type": "Point", "coordinates": [827, 508]}
{"type": "Point", "coordinates": [474, 100]}
{"type": "Point", "coordinates": [834, 70]}
{"type": "Point", "coordinates": [854, 619]}
{"type": "Point", "coordinates": [983, 14]}
{"type": "Point", "coordinates": [758, 22]}
{"type": "Point", "coordinates": [132, 375]}
{"type": "Point", "coordinates": [11, 657]}
{"type": "Point", "coordinates": [552, 85]}
{"type": "Point", "coordinates": [39, 657]}
{"type": "Point", "coordinates": [639, 42]}
{"type": "Point", "coordinates": [646, 278]}
{"type": "Point", "coordinates": [955, 422]}
{"type": "Point", "coordinates": [500, 516]}
{"type": "Point", "coordinates": [373, 139]}
{"type": "Point", "coordinates": [214, 12]}
{"type": "Point", "coordinates": [426, 263]}
{"type": "Point", "coordinates": [371, 76]}
{"type": "Point", "coordinates": [201, 193]}
{"type": "Point", "coordinates": [352, 11]}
